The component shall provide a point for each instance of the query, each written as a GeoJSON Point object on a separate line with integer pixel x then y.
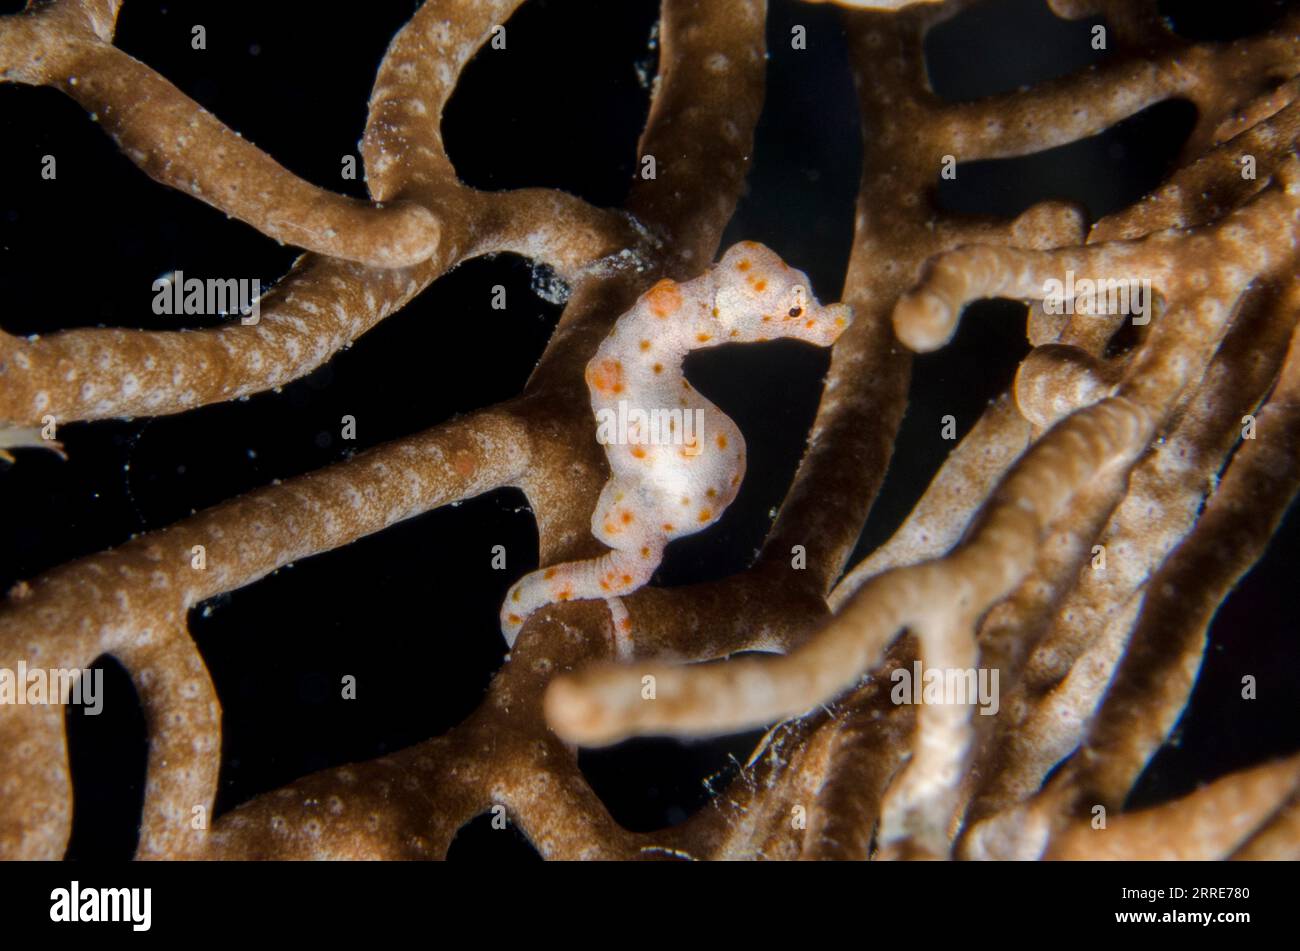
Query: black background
{"type": "Point", "coordinates": [412, 611]}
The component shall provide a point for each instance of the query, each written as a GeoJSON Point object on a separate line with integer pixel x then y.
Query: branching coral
{"type": "Point", "coordinates": [995, 568]}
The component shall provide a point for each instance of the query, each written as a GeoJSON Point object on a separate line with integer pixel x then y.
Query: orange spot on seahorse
{"type": "Point", "coordinates": [705, 515]}
{"type": "Point", "coordinates": [664, 298]}
{"type": "Point", "coordinates": [722, 441]}
{"type": "Point", "coordinates": [606, 376]}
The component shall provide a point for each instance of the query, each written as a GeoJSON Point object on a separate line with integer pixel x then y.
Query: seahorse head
{"type": "Point", "coordinates": [760, 297]}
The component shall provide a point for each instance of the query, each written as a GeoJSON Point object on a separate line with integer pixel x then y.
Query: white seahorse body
{"type": "Point", "coordinates": [676, 460]}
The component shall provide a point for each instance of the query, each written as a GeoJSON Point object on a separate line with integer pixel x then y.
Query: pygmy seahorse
{"type": "Point", "coordinates": [676, 460]}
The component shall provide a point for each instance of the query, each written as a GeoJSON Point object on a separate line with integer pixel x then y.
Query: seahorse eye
{"type": "Point", "coordinates": [796, 311]}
